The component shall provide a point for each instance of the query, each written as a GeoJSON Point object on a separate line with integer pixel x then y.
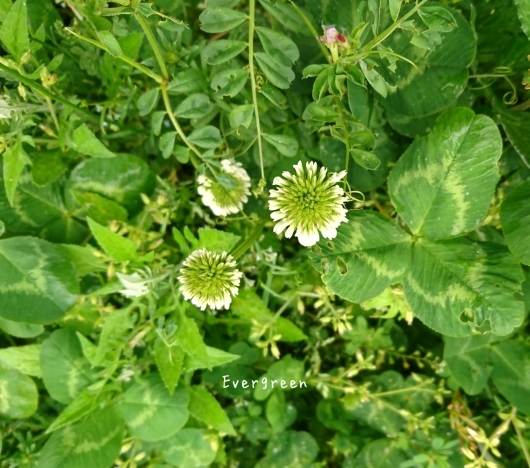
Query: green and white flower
{"type": "Point", "coordinates": [308, 202]}
{"type": "Point", "coordinates": [227, 197]}
{"type": "Point", "coordinates": [209, 279]}
{"type": "Point", "coordinates": [135, 285]}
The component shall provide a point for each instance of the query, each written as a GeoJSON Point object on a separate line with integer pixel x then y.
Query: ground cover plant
{"type": "Point", "coordinates": [264, 233]}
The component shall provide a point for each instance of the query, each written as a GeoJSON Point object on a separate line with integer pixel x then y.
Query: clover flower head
{"type": "Point", "coordinates": [218, 197]}
{"type": "Point", "coordinates": [209, 279]}
{"type": "Point", "coordinates": [308, 202]}
{"type": "Point", "coordinates": [136, 285]}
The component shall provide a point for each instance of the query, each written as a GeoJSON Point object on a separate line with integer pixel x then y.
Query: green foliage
{"type": "Point", "coordinates": [143, 140]}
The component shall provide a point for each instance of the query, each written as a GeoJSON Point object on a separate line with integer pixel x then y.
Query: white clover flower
{"type": "Point", "coordinates": [220, 199]}
{"type": "Point", "coordinates": [135, 285]}
{"type": "Point", "coordinates": [308, 202]}
{"type": "Point", "coordinates": [209, 279]}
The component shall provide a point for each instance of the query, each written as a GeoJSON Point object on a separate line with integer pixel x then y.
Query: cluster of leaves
{"type": "Point", "coordinates": [408, 329]}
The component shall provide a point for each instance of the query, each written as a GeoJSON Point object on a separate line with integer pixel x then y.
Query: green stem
{"type": "Point", "coordinates": [247, 243]}
{"type": "Point", "coordinates": [251, 26]}
{"type": "Point", "coordinates": [387, 32]}
{"type": "Point", "coordinates": [520, 437]}
{"type": "Point", "coordinates": [13, 74]}
{"type": "Point", "coordinates": [345, 133]}
{"type": "Point", "coordinates": [154, 45]}
{"type": "Point", "coordinates": [311, 28]}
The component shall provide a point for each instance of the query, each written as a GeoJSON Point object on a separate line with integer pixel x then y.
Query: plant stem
{"type": "Point", "coordinates": [13, 74]}
{"type": "Point", "coordinates": [247, 243]}
{"type": "Point", "coordinates": [345, 132]}
{"type": "Point", "coordinates": [381, 37]}
{"type": "Point", "coordinates": [154, 45]}
{"type": "Point", "coordinates": [251, 26]}
{"type": "Point", "coordinates": [311, 28]}
{"type": "Point", "coordinates": [520, 438]}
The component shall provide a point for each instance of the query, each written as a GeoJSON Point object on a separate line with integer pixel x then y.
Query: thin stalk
{"type": "Point", "coordinates": [311, 28]}
{"type": "Point", "coordinates": [345, 132]}
{"type": "Point", "coordinates": [13, 74]}
{"type": "Point", "coordinates": [387, 32]}
{"type": "Point", "coordinates": [251, 27]}
{"type": "Point", "coordinates": [247, 243]}
{"type": "Point", "coordinates": [154, 45]}
{"type": "Point", "coordinates": [521, 439]}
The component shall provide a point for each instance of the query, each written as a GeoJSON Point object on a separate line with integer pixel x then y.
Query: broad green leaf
{"type": "Point", "coordinates": [394, 6]}
{"type": "Point", "coordinates": [249, 306]}
{"type": "Point", "coordinates": [65, 370]}
{"type": "Point", "coordinates": [117, 247]}
{"type": "Point", "coordinates": [286, 15]}
{"type": "Point", "coordinates": [83, 258]}
{"type": "Point", "coordinates": [147, 101]}
{"type": "Point", "coordinates": [275, 72]}
{"type": "Point", "coordinates": [516, 126]}
{"type": "Point", "coordinates": [24, 359]}
{"type": "Point", "coordinates": [93, 442]}
{"type": "Point", "coordinates": [110, 42]}
{"type": "Point", "coordinates": [274, 95]}
{"type": "Point", "coordinates": [37, 282]}
{"type": "Point", "coordinates": [216, 20]}
{"type": "Point", "coordinates": [365, 159]}
{"type": "Point", "coordinates": [218, 52]}
{"type": "Point", "coordinates": [87, 143]}
{"type": "Point", "coordinates": [468, 360]}
{"type": "Point", "coordinates": [437, 18]}
{"type": "Point", "coordinates": [166, 144]}
{"type": "Point", "coordinates": [511, 373]}
{"type": "Point", "coordinates": [18, 394]}
{"type": "Point", "coordinates": [111, 340]}
{"type": "Point", "coordinates": [47, 166]}
{"type": "Point", "coordinates": [515, 221]}
{"type": "Point", "coordinates": [443, 69]}
{"type": "Point", "coordinates": [121, 179]}
{"type": "Point", "coordinates": [208, 137]}
{"type": "Point", "coordinates": [216, 357]}
{"type": "Point", "coordinates": [290, 449]}
{"type": "Point", "coordinates": [20, 329]}
{"type": "Point", "coordinates": [443, 184]}
{"type": "Point", "coordinates": [375, 79]}
{"type": "Point", "coordinates": [320, 113]}
{"type": "Point", "coordinates": [381, 453]}
{"type": "Point", "coordinates": [523, 11]}
{"type": "Point", "coordinates": [14, 30]}
{"type": "Point", "coordinates": [188, 81]}
{"type": "Point", "coordinates": [216, 241]}
{"type": "Point", "coordinates": [15, 159]}
{"type": "Point", "coordinates": [204, 407]}
{"type": "Point", "coordinates": [190, 340]}
{"type": "Point", "coordinates": [278, 46]}
{"type": "Point", "coordinates": [286, 145]}
{"type": "Point", "coordinates": [99, 208]}
{"type": "Point", "coordinates": [190, 447]}
{"type": "Point", "coordinates": [458, 287]}
{"type": "Point", "coordinates": [229, 82]}
{"type": "Point", "coordinates": [369, 254]}
{"type": "Point", "coordinates": [150, 412]}
{"type": "Point", "coordinates": [194, 106]}
{"type": "Point", "coordinates": [169, 360]}
{"type": "Point", "coordinates": [241, 116]}
{"type": "Point", "coordinates": [280, 413]}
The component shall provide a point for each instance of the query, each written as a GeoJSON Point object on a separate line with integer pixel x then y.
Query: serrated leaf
{"type": "Point", "coordinates": [218, 52]}
{"type": "Point", "coordinates": [278, 46]}
{"type": "Point", "coordinates": [458, 287]}
{"type": "Point", "coordinates": [65, 370]}
{"type": "Point", "coordinates": [194, 106]}
{"type": "Point", "coordinates": [117, 247]}
{"type": "Point", "coordinates": [216, 241]}
{"type": "Point", "coordinates": [111, 339]}
{"type": "Point", "coordinates": [229, 82]}
{"type": "Point", "coordinates": [150, 412]}
{"type": "Point", "coordinates": [95, 441]}
{"type": "Point", "coordinates": [37, 282]}
{"type": "Point", "coordinates": [216, 20]}
{"type": "Point", "coordinates": [14, 31]}
{"type": "Point", "coordinates": [14, 161]}
{"type": "Point", "coordinates": [204, 407]}
{"type": "Point", "coordinates": [369, 254]}
{"type": "Point", "coordinates": [189, 447]}
{"type": "Point", "coordinates": [82, 405]}
{"type": "Point", "coordinates": [18, 394]}
{"type": "Point", "coordinates": [216, 357]}
{"type": "Point", "coordinates": [169, 360]}
{"type": "Point", "coordinates": [87, 143]}
{"type": "Point", "coordinates": [443, 184]}
{"type": "Point", "coordinates": [276, 73]}
{"type": "Point", "coordinates": [515, 221]}
{"type": "Point", "coordinates": [190, 340]}
{"type": "Point", "coordinates": [286, 145]}
{"type": "Point", "coordinates": [511, 373]}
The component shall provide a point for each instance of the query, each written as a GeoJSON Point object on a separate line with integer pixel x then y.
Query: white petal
{"type": "Point", "coordinates": [307, 239]}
